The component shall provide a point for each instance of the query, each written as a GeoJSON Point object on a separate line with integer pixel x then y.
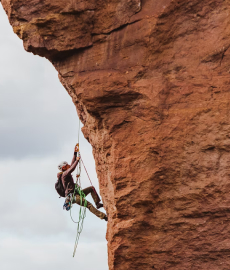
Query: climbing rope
{"type": "Point", "coordinates": [89, 177]}
{"type": "Point", "coordinates": [82, 211]}
{"type": "Point", "coordinates": [85, 169]}
{"type": "Point", "coordinates": [78, 189]}
{"type": "Point", "coordinates": [82, 215]}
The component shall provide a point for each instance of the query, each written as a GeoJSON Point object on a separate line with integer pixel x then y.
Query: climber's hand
{"type": "Point", "coordinates": [78, 158]}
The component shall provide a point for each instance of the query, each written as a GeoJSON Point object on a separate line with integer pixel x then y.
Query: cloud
{"type": "Point", "coordinates": [37, 255]}
{"type": "Point", "coordinates": [36, 113]}
{"type": "Point", "coordinates": [38, 129]}
{"type": "Point", "coordinates": [27, 190]}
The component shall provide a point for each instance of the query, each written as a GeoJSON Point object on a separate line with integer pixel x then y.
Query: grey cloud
{"type": "Point", "coordinates": [27, 190]}
{"type": "Point", "coordinates": [36, 113]}
{"type": "Point", "coordinates": [38, 129]}
{"type": "Point", "coordinates": [37, 255]}
{"type": "Point", "coordinates": [35, 120]}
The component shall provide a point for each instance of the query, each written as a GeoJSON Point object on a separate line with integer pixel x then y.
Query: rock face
{"type": "Point", "coordinates": [151, 83]}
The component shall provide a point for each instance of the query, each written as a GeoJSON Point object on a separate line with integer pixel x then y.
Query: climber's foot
{"type": "Point", "coordinates": [105, 218]}
{"type": "Point", "coordinates": [99, 205]}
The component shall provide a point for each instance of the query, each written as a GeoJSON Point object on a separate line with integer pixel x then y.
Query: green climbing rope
{"type": "Point", "coordinates": [82, 215]}
{"type": "Point", "coordinates": [82, 211]}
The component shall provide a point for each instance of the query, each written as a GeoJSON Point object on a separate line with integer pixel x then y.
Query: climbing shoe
{"type": "Point", "coordinates": [99, 205]}
{"type": "Point", "coordinates": [105, 218]}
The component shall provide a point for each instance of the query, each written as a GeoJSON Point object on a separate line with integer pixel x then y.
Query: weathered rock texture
{"type": "Point", "coordinates": [151, 83]}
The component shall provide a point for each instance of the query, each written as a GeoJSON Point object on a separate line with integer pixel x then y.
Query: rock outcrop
{"type": "Point", "coordinates": [151, 83]}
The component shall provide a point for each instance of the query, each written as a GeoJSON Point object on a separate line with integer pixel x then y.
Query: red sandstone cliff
{"type": "Point", "coordinates": [151, 83]}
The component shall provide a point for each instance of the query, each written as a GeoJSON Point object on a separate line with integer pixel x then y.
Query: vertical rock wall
{"type": "Point", "coordinates": [151, 83]}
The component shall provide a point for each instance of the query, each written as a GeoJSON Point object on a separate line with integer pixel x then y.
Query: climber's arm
{"type": "Point", "coordinates": [76, 149]}
{"type": "Point", "coordinates": [74, 159]}
{"type": "Point", "coordinates": [72, 167]}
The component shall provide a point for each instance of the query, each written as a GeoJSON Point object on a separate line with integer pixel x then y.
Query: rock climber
{"type": "Point", "coordinates": [69, 186]}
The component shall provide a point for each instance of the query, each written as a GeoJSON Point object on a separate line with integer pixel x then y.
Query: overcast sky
{"type": "Point", "coordinates": [38, 129]}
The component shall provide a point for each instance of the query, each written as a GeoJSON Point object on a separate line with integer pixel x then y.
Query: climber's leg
{"type": "Point", "coordinates": [92, 209]}
{"type": "Point", "coordinates": [94, 195]}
